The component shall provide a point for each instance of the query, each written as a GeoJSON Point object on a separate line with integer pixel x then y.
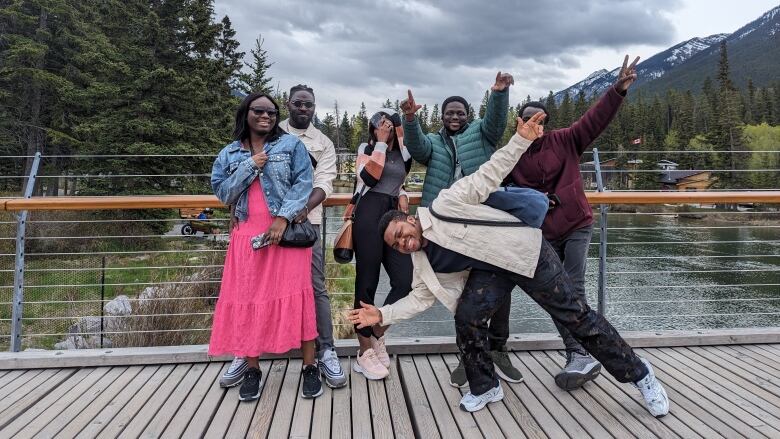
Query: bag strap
{"type": "Point", "coordinates": [476, 222]}
{"type": "Point", "coordinates": [357, 201]}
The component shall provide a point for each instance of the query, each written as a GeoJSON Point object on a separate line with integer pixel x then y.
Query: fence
{"type": "Point", "coordinates": [664, 267]}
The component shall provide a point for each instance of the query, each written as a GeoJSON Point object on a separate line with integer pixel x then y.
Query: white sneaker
{"type": "Point", "coordinates": [330, 368]}
{"type": "Point", "coordinates": [369, 365]}
{"type": "Point", "coordinates": [378, 344]}
{"type": "Point", "coordinates": [653, 392]}
{"type": "Point", "coordinates": [235, 373]}
{"type": "Point", "coordinates": [472, 403]}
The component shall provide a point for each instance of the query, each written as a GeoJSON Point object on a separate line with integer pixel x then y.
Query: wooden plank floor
{"type": "Point", "coordinates": [718, 391]}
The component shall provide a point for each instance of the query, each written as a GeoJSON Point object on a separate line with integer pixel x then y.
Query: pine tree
{"type": "Point", "coordinates": [360, 127]}
{"type": "Point", "coordinates": [435, 124]}
{"type": "Point", "coordinates": [258, 79]}
{"type": "Point", "coordinates": [728, 130]}
{"type": "Point", "coordinates": [228, 55]}
{"type": "Point", "coordinates": [763, 112]}
{"type": "Point", "coordinates": [483, 105]}
{"type": "Point", "coordinates": [580, 105]}
{"type": "Point", "coordinates": [565, 111]}
{"type": "Point", "coordinates": [345, 134]}
{"type": "Point", "coordinates": [750, 107]}
{"type": "Point", "coordinates": [328, 127]}
{"type": "Point", "coordinates": [424, 118]}
{"type": "Point", "coordinates": [552, 112]}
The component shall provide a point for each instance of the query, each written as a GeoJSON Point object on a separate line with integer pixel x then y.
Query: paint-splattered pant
{"type": "Point", "coordinates": [551, 288]}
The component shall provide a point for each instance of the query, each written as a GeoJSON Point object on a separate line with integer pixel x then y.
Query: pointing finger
{"type": "Point", "coordinates": [411, 98]}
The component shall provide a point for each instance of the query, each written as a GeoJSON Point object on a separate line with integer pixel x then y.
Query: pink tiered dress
{"type": "Point", "coordinates": [266, 301]}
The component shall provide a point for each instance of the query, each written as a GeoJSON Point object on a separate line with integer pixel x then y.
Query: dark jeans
{"type": "Point", "coordinates": [371, 252]}
{"type": "Point", "coordinates": [529, 206]}
{"type": "Point", "coordinates": [551, 288]}
{"type": "Point", "coordinates": [573, 251]}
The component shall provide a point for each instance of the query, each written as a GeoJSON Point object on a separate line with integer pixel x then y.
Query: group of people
{"type": "Point", "coordinates": [491, 219]}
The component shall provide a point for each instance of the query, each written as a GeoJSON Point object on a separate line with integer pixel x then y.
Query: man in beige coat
{"type": "Point", "coordinates": [468, 266]}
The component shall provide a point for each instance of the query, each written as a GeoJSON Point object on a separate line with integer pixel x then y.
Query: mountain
{"type": "Point", "coordinates": [754, 51]}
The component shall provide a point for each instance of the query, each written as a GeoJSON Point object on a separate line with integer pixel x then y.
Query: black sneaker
{"type": "Point", "coordinates": [312, 386]}
{"type": "Point", "coordinates": [250, 389]}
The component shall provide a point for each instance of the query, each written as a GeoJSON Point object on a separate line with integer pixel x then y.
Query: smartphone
{"type": "Point", "coordinates": [260, 241]}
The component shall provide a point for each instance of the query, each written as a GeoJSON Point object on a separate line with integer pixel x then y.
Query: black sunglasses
{"type": "Point", "coordinates": [260, 111]}
{"type": "Point", "coordinates": [300, 104]}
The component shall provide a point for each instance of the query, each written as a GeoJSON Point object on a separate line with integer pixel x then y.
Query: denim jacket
{"type": "Point", "coordinates": [286, 177]}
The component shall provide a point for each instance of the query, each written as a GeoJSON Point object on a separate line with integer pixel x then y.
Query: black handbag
{"type": "Point", "coordinates": [299, 235]}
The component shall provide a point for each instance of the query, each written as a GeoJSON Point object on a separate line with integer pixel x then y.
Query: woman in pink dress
{"type": "Point", "coordinates": [266, 301]}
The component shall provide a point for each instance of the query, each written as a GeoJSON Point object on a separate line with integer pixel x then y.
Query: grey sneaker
{"type": "Point", "coordinates": [235, 373]}
{"type": "Point", "coordinates": [504, 368]}
{"type": "Point", "coordinates": [330, 368]}
{"type": "Point", "coordinates": [653, 392]}
{"type": "Point", "coordinates": [472, 403]}
{"type": "Point", "coordinates": [579, 369]}
{"type": "Point", "coordinates": [458, 376]}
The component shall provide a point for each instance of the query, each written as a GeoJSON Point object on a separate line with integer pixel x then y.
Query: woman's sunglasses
{"type": "Point", "coordinates": [260, 111]}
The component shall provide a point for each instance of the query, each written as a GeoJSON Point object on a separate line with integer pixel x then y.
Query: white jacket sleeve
{"type": "Point", "coordinates": [417, 301]}
{"type": "Point", "coordinates": [475, 188]}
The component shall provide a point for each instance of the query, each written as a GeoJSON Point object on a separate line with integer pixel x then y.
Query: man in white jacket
{"type": "Point", "coordinates": [468, 266]}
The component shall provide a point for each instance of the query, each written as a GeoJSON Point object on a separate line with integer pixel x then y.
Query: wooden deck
{"type": "Point", "coordinates": [718, 391]}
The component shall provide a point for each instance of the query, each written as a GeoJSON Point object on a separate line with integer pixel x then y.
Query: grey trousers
{"type": "Point", "coordinates": [321, 298]}
{"type": "Point", "coordinates": [573, 251]}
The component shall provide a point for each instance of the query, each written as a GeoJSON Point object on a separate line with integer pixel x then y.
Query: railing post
{"type": "Point", "coordinates": [21, 225]}
{"type": "Point", "coordinates": [602, 289]}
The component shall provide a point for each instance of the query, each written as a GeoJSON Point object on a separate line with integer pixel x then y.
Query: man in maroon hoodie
{"type": "Point", "coordinates": [551, 165]}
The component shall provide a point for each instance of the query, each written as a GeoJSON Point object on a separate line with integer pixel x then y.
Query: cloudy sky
{"type": "Point", "coordinates": [366, 51]}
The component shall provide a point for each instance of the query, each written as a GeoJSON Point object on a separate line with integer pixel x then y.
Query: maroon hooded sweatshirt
{"type": "Point", "coordinates": [551, 165]}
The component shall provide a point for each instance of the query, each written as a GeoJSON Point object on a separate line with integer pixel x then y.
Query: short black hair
{"type": "Point", "coordinates": [241, 130]}
{"type": "Point", "coordinates": [535, 104]}
{"type": "Point", "coordinates": [301, 87]}
{"type": "Point", "coordinates": [455, 99]}
{"type": "Point", "coordinates": [389, 217]}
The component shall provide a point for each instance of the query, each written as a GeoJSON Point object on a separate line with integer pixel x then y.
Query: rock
{"type": "Point", "coordinates": [119, 306]}
{"type": "Point", "coordinates": [148, 293]}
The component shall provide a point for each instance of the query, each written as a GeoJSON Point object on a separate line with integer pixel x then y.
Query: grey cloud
{"type": "Point", "coordinates": [441, 46]}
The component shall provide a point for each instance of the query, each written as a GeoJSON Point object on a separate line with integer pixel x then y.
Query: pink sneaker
{"type": "Point", "coordinates": [369, 365]}
{"type": "Point", "coordinates": [378, 344]}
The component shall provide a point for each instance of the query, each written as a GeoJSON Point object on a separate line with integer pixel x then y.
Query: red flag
{"type": "Point", "coordinates": [636, 141]}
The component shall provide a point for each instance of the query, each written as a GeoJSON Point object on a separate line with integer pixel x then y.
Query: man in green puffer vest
{"type": "Point", "coordinates": [458, 150]}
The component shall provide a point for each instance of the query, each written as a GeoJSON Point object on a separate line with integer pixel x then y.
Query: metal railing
{"type": "Point", "coordinates": [665, 267]}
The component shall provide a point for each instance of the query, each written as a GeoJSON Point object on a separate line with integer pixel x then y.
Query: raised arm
{"type": "Point", "coordinates": [581, 134]}
{"type": "Point", "coordinates": [415, 140]}
{"type": "Point", "coordinates": [494, 122]}
{"type": "Point", "coordinates": [475, 188]}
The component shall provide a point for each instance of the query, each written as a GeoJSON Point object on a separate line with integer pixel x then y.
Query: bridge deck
{"type": "Point", "coordinates": [729, 391]}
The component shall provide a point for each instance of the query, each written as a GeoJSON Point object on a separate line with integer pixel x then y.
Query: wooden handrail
{"type": "Point", "coordinates": [184, 201]}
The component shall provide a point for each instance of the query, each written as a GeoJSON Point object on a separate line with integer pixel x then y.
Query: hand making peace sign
{"type": "Point", "coordinates": [532, 129]}
{"type": "Point", "coordinates": [626, 76]}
